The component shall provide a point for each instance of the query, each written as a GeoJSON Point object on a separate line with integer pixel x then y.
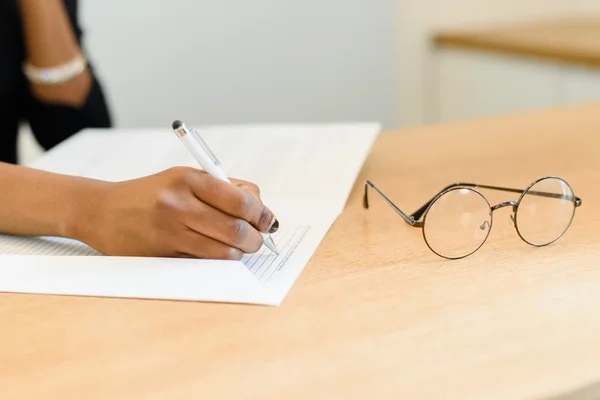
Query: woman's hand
{"type": "Point", "coordinates": [181, 212]}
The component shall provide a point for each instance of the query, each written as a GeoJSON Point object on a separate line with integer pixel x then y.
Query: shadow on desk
{"type": "Point", "coordinates": [591, 392]}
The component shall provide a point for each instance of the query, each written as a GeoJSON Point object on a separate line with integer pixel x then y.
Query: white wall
{"type": "Point", "coordinates": [238, 61]}
{"type": "Point", "coordinates": [420, 19]}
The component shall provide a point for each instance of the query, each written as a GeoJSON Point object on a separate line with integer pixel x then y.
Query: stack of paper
{"type": "Point", "coordinates": [305, 174]}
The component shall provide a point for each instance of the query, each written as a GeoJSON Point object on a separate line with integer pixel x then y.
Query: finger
{"type": "Point", "coordinates": [191, 243]}
{"type": "Point", "coordinates": [232, 200]}
{"type": "Point", "coordinates": [215, 224]}
{"type": "Point", "coordinates": [250, 187]}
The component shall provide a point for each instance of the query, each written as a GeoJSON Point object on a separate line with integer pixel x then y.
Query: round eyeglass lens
{"type": "Point", "coordinates": [545, 211]}
{"type": "Point", "coordinates": [457, 223]}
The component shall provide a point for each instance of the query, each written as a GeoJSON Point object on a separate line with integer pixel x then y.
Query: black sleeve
{"type": "Point", "coordinates": [53, 123]}
{"type": "Point", "coordinates": [9, 128]}
{"type": "Point", "coordinates": [12, 81]}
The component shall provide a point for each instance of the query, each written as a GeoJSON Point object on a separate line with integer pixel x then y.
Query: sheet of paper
{"type": "Point", "coordinates": [305, 174]}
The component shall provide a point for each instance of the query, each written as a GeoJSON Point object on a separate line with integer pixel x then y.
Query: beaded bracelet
{"type": "Point", "coordinates": [56, 75]}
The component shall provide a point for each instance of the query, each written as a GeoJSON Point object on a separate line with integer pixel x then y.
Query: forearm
{"type": "Point", "coordinates": [50, 42]}
{"type": "Point", "coordinates": [180, 212]}
{"type": "Point", "coordinates": [39, 203]}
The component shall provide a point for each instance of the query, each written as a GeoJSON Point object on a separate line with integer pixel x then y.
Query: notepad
{"type": "Point", "coordinates": [305, 174]}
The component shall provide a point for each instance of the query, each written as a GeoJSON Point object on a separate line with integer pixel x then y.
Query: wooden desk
{"type": "Point", "coordinates": [375, 314]}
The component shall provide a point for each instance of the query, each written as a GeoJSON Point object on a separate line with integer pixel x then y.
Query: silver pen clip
{"type": "Point", "coordinates": [202, 143]}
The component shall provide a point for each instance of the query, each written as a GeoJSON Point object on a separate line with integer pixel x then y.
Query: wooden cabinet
{"type": "Point", "coordinates": [514, 69]}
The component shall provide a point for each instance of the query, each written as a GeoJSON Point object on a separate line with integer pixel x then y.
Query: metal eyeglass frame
{"type": "Point", "coordinates": [415, 220]}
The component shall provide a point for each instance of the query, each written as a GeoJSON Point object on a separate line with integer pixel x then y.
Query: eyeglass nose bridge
{"type": "Point", "coordinates": [511, 203]}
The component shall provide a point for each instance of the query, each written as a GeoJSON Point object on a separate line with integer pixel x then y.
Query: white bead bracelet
{"type": "Point", "coordinates": [56, 75]}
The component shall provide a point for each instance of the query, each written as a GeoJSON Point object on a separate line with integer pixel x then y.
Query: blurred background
{"type": "Point", "coordinates": [235, 61]}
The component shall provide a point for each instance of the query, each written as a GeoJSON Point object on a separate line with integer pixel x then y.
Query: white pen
{"type": "Point", "coordinates": [205, 157]}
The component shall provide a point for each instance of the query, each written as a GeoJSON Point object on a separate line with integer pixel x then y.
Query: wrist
{"type": "Point", "coordinates": [83, 213]}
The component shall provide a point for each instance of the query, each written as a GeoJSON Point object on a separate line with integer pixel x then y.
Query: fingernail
{"type": "Point", "coordinates": [274, 226]}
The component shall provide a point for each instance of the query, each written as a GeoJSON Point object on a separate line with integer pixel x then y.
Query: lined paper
{"type": "Point", "coordinates": [263, 264]}
{"type": "Point", "coordinates": [44, 246]}
{"type": "Point", "coordinates": [305, 173]}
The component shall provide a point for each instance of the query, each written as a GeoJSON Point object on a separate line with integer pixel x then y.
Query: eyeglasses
{"type": "Point", "coordinates": [457, 221]}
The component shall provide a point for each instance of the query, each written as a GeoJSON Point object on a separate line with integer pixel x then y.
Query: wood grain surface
{"type": "Point", "coordinates": [375, 314]}
{"type": "Point", "coordinates": [572, 40]}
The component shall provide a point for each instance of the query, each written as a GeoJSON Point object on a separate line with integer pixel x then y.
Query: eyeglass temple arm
{"type": "Point", "coordinates": [575, 199]}
{"type": "Point", "coordinates": [419, 213]}
{"type": "Point", "coordinates": [406, 218]}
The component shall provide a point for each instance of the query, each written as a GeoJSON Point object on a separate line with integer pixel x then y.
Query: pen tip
{"type": "Point", "coordinates": [270, 243]}
{"type": "Point", "coordinates": [177, 124]}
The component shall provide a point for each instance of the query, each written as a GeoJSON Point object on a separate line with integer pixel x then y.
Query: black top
{"type": "Point", "coordinates": [50, 123]}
